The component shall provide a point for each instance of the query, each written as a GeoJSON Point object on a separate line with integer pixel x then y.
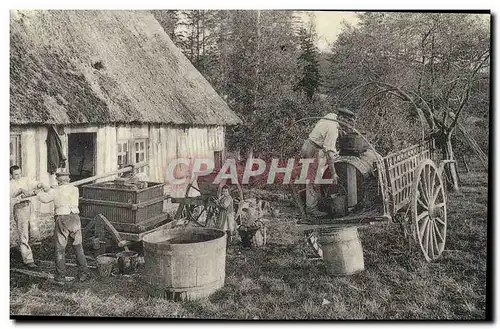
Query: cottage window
{"type": "Point", "coordinates": [15, 149]}
{"type": "Point", "coordinates": [140, 154]}
{"type": "Point", "coordinates": [123, 152]}
{"type": "Point", "coordinates": [133, 152]}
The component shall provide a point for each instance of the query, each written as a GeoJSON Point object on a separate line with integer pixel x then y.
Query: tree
{"type": "Point", "coordinates": [426, 65]}
{"type": "Point", "coordinates": [196, 37]}
{"type": "Point", "coordinates": [256, 63]}
{"type": "Point", "coordinates": [250, 58]}
{"type": "Point", "coordinates": [308, 65]}
{"type": "Point", "coordinates": [169, 20]}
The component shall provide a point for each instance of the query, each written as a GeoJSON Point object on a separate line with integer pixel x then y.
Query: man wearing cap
{"type": "Point", "coordinates": [348, 117]}
{"type": "Point", "coordinates": [67, 224]}
{"type": "Point", "coordinates": [323, 138]}
{"type": "Point", "coordinates": [20, 189]}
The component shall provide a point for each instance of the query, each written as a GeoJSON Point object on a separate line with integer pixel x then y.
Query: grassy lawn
{"type": "Point", "coordinates": [284, 281]}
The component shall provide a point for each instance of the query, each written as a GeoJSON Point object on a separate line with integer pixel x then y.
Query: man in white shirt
{"type": "Point", "coordinates": [20, 188]}
{"type": "Point", "coordinates": [67, 224]}
{"type": "Point", "coordinates": [323, 138]}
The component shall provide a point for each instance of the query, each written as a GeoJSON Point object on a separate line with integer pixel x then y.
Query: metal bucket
{"type": "Point", "coordinates": [342, 250]}
{"type": "Point", "coordinates": [105, 264]}
{"type": "Point", "coordinates": [127, 261]}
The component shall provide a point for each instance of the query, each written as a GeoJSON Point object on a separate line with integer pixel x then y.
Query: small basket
{"type": "Point", "coordinates": [105, 264]}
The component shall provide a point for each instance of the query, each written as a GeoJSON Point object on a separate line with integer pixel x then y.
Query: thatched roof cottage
{"type": "Point", "coordinates": [117, 89]}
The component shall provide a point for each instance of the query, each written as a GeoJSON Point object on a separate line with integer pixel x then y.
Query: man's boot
{"type": "Point", "coordinates": [83, 272]}
{"type": "Point", "coordinates": [315, 213]}
{"type": "Point", "coordinates": [31, 265]}
{"type": "Point", "coordinates": [311, 203]}
{"type": "Point", "coordinates": [60, 276]}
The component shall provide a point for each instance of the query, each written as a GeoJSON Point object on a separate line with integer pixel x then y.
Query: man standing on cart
{"type": "Point", "coordinates": [323, 138]}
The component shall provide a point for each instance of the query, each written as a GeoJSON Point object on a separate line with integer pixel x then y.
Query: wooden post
{"type": "Point", "coordinates": [451, 170]}
{"type": "Point", "coordinates": [465, 164]}
{"type": "Point", "coordinates": [93, 178]}
{"type": "Point", "coordinates": [352, 186]}
{"type": "Point", "coordinates": [96, 177]}
{"type": "Point", "coordinates": [33, 273]}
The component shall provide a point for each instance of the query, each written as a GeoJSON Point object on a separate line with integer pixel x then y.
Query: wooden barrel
{"type": "Point", "coordinates": [184, 263]}
{"type": "Point", "coordinates": [342, 250]}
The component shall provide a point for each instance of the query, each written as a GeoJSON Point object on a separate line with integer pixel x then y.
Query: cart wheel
{"type": "Point", "coordinates": [429, 210]}
{"type": "Point", "coordinates": [237, 194]}
{"type": "Point", "coordinates": [201, 214]}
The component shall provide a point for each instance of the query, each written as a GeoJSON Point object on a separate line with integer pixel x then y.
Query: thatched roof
{"type": "Point", "coordinates": [73, 67]}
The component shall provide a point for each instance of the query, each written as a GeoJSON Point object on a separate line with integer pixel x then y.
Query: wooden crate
{"type": "Point", "coordinates": [109, 191]}
{"type": "Point", "coordinates": [126, 207]}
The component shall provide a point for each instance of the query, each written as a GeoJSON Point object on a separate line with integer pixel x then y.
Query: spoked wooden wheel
{"type": "Point", "coordinates": [429, 218]}
{"type": "Point", "coordinates": [200, 215]}
{"type": "Point", "coordinates": [199, 210]}
{"type": "Point", "coordinates": [237, 194]}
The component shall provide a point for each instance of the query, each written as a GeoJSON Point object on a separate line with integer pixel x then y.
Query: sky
{"type": "Point", "coordinates": [329, 25]}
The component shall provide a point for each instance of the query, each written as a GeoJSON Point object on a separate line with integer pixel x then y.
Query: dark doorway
{"type": "Point", "coordinates": [81, 155]}
{"type": "Point", "coordinates": [218, 159]}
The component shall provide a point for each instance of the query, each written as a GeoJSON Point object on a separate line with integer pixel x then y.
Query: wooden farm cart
{"type": "Point", "coordinates": [198, 205]}
{"type": "Point", "coordinates": [410, 189]}
{"type": "Point", "coordinates": [121, 212]}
